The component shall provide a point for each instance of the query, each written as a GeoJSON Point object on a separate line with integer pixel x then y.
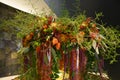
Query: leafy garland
{"type": "Point", "coordinates": [63, 34]}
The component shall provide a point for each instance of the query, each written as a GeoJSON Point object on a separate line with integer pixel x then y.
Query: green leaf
{"type": "Point", "coordinates": [23, 50]}
{"type": "Point", "coordinates": [104, 44]}
{"type": "Point", "coordinates": [26, 49]}
{"type": "Point", "coordinates": [94, 44]}
{"type": "Point", "coordinates": [54, 54]}
{"type": "Point", "coordinates": [97, 50]}
{"type": "Point", "coordinates": [45, 59]}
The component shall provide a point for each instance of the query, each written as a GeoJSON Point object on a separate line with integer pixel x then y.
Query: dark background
{"type": "Point", "coordinates": [109, 8]}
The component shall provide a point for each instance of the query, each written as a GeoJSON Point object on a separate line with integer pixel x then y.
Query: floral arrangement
{"type": "Point", "coordinates": [77, 46]}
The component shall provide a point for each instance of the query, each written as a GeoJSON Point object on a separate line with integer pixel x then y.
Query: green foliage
{"type": "Point", "coordinates": [26, 23]}
{"type": "Point", "coordinates": [98, 15]}
{"type": "Point", "coordinates": [29, 71]}
{"type": "Point", "coordinates": [23, 21]}
{"type": "Point", "coordinates": [20, 24]}
{"type": "Point", "coordinates": [112, 41]}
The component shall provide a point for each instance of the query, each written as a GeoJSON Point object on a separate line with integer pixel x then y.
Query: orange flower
{"type": "Point", "coordinates": [28, 37]}
{"type": "Point", "coordinates": [57, 46]}
{"type": "Point", "coordinates": [80, 37]}
{"type": "Point", "coordinates": [63, 38]}
{"type": "Point", "coordinates": [45, 26]}
{"type": "Point", "coordinates": [82, 27]}
{"type": "Point", "coordinates": [94, 25]}
{"type": "Point", "coordinates": [82, 33]}
{"type": "Point", "coordinates": [53, 25]}
{"type": "Point", "coordinates": [88, 19]}
{"type": "Point", "coordinates": [94, 29]}
{"type": "Point", "coordinates": [93, 35]}
{"type": "Point", "coordinates": [38, 49]}
{"type": "Point", "coordinates": [73, 40]}
{"type": "Point", "coordinates": [54, 41]}
{"type": "Point", "coordinates": [32, 34]}
{"type": "Point", "coordinates": [85, 24]}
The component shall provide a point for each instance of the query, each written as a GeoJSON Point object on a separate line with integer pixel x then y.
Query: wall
{"type": "Point", "coordinates": [8, 44]}
{"type": "Point", "coordinates": [56, 6]}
